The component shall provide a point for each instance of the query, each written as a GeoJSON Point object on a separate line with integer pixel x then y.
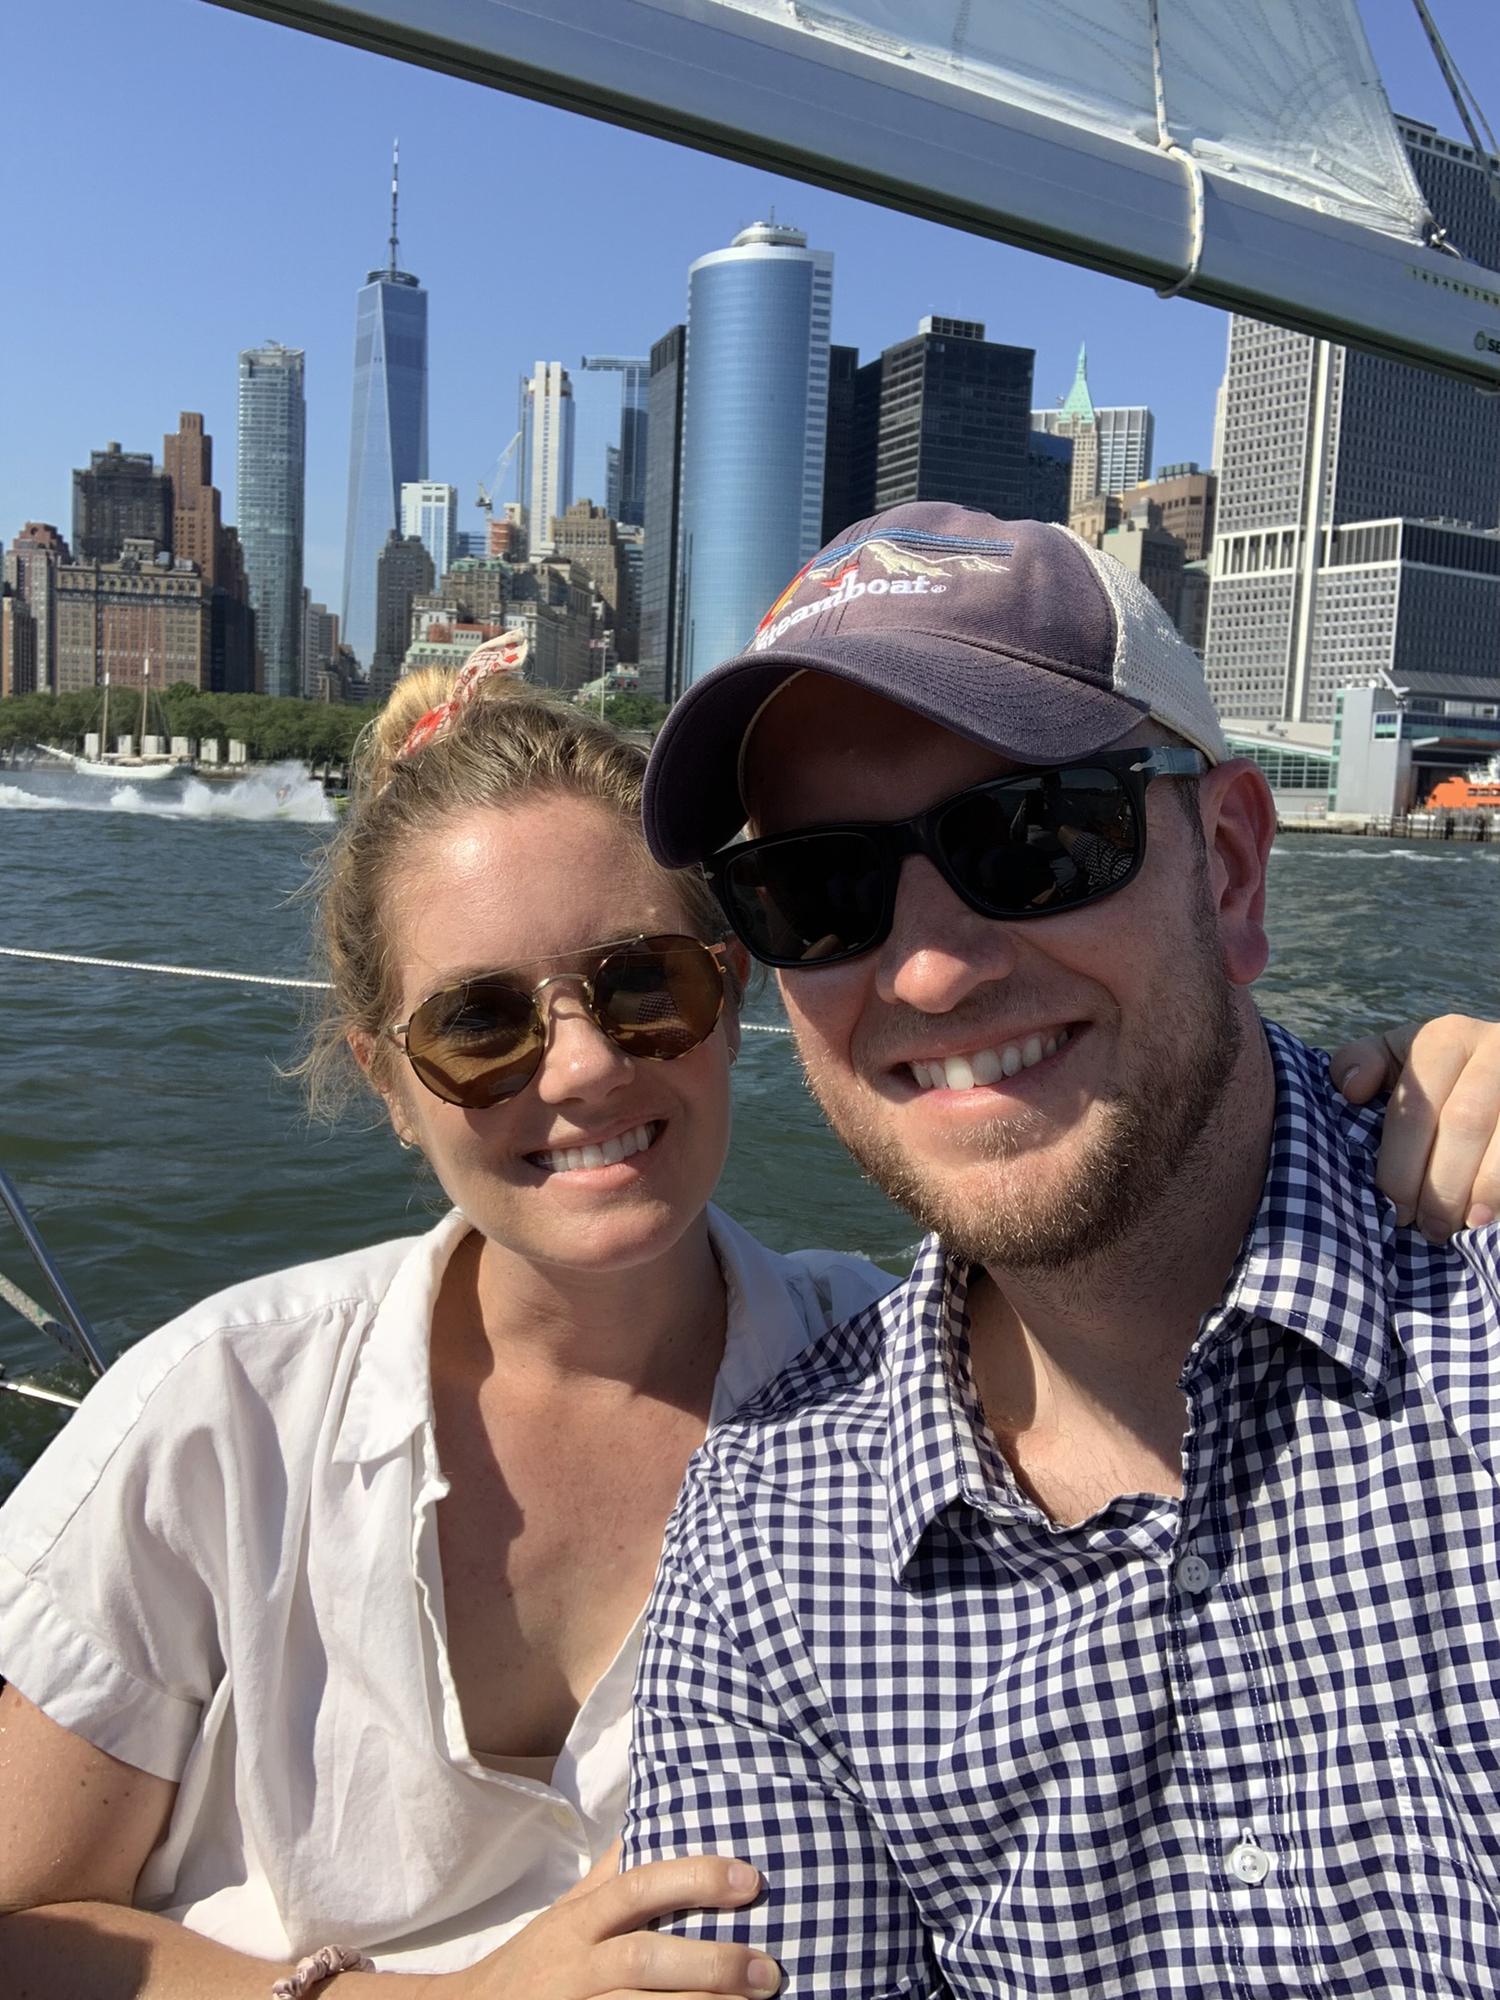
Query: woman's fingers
{"type": "Point", "coordinates": [648, 1962]}
{"type": "Point", "coordinates": [1439, 1162]}
{"type": "Point", "coordinates": [1364, 1068]}
{"type": "Point", "coordinates": [660, 1888]}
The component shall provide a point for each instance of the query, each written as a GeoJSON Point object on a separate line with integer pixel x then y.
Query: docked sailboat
{"type": "Point", "coordinates": [125, 761]}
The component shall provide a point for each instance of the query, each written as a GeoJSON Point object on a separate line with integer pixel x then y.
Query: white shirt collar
{"type": "Point", "coordinates": [390, 1390]}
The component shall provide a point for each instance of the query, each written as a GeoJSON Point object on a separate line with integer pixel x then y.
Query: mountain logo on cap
{"type": "Point", "coordinates": [905, 564]}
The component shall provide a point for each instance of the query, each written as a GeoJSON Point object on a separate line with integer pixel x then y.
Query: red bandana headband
{"type": "Point", "coordinates": [505, 655]}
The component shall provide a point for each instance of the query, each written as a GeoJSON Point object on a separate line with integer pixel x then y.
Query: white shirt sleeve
{"type": "Point", "coordinates": [110, 1549]}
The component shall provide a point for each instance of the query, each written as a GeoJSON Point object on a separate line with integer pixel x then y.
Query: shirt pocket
{"type": "Point", "coordinates": [1448, 1800]}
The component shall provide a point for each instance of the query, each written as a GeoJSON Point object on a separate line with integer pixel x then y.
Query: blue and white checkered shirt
{"type": "Point", "coordinates": [1244, 1743]}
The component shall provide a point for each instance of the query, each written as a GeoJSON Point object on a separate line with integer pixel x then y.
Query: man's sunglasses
{"type": "Point", "coordinates": [1033, 844]}
{"type": "Point", "coordinates": [482, 1042]}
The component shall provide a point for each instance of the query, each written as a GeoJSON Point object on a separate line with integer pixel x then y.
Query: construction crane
{"type": "Point", "coordinates": [486, 502]}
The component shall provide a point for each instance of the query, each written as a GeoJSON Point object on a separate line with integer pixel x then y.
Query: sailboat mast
{"type": "Point", "coordinates": [140, 744]}
{"type": "Point", "coordinates": [104, 718]}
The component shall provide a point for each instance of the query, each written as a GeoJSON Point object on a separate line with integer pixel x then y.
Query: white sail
{"type": "Point", "coordinates": [1241, 151]}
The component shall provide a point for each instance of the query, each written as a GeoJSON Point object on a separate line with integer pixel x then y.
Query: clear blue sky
{"type": "Point", "coordinates": [182, 182]}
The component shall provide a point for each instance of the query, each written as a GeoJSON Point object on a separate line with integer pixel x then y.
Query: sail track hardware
{"type": "Point", "coordinates": [235, 978]}
{"type": "Point", "coordinates": [72, 1332]}
{"type": "Point", "coordinates": [1168, 145]}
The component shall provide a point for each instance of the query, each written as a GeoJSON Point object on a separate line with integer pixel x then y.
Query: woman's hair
{"type": "Point", "coordinates": [509, 742]}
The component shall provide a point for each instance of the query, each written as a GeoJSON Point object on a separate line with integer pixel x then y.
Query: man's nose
{"type": "Point", "coordinates": [939, 950]}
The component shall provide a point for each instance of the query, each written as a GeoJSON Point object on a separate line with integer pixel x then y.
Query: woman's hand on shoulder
{"type": "Point", "coordinates": [591, 1943]}
{"type": "Point", "coordinates": [1440, 1151]}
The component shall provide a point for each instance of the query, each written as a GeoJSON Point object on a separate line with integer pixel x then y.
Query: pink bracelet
{"type": "Point", "coordinates": [327, 1962]}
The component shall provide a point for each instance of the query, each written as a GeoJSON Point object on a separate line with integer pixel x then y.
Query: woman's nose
{"type": "Point", "coordinates": [579, 1058]}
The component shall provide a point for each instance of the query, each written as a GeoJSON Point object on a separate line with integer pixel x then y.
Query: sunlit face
{"type": "Point", "coordinates": [530, 884]}
{"type": "Point", "coordinates": [1118, 1019]}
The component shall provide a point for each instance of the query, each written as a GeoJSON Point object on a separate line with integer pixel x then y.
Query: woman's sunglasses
{"type": "Point", "coordinates": [482, 1042]}
{"type": "Point", "coordinates": [1034, 844]}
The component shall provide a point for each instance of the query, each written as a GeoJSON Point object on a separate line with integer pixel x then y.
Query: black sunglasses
{"type": "Point", "coordinates": [482, 1042]}
{"type": "Point", "coordinates": [1033, 844]}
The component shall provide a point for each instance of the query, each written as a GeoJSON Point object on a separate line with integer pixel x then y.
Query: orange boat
{"type": "Point", "coordinates": [1477, 791]}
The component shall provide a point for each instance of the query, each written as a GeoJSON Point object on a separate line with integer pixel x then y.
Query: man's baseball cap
{"type": "Point", "coordinates": [1015, 634]}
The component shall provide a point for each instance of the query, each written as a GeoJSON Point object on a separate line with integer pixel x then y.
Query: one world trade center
{"type": "Point", "coordinates": [388, 432]}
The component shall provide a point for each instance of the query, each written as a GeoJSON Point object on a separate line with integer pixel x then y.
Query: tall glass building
{"type": "Point", "coordinates": [429, 510]}
{"type": "Point", "coordinates": [388, 433]}
{"type": "Point", "coordinates": [754, 422]}
{"type": "Point", "coordinates": [270, 479]}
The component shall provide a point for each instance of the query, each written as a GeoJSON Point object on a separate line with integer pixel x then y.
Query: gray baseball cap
{"type": "Point", "coordinates": [1014, 634]}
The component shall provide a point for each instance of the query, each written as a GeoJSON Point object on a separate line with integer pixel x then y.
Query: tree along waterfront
{"type": "Point", "coordinates": [271, 727]}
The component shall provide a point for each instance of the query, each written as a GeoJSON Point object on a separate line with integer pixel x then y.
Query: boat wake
{"type": "Point", "coordinates": [279, 791]}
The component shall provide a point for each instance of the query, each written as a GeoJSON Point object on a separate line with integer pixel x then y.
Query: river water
{"type": "Point", "coordinates": [163, 1156]}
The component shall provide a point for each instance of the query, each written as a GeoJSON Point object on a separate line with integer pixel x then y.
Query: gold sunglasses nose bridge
{"type": "Point", "coordinates": [547, 1015]}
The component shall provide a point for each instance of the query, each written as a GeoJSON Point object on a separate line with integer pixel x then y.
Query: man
{"type": "Point", "coordinates": [1111, 1609]}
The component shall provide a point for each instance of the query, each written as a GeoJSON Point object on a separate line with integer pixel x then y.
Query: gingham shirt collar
{"type": "Point", "coordinates": [1311, 1262]}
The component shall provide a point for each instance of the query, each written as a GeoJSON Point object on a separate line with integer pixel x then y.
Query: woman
{"type": "Point", "coordinates": [322, 1616]}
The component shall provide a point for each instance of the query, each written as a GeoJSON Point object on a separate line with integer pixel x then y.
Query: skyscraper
{"type": "Point", "coordinates": [1358, 500]}
{"type": "Point", "coordinates": [625, 499]}
{"type": "Point", "coordinates": [269, 501]}
{"type": "Point", "coordinates": [546, 450]}
{"type": "Point", "coordinates": [429, 510]}
{"type": "Point", "coordinates": [30, 571]}
{"type": "Point", "coordinates": [943, 416]}
{"type": "Point", "coordinates": [388, 433]}
{"type": "Point", "coordinates": [403, 572]}
{"type": "Point", "coordinates": [122, 497]}
{"type": "Point", "coordinates": [658, 640]}
{"type": "Point", "coordinates": [200, 537]}
{"type": "Point", "coordinates": [754, 424]}
{"type": "Point", "coordinates": [1112, 444]}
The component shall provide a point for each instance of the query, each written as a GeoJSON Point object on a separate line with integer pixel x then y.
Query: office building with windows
{"type": "Point", "coordinates": [121, 497]}
{"type": "Point", "coordinates": [942, 416]}
{"type": "Point", "coordinates": [754, 425]}
{"type": "Point", "coordinates": [270, 499]}
{"type": "Point", "coordinates": [29, 573]}
{"type": "Point", "coordinates": [546, 450]}
{"type": "Point", "coordinates": [200, 536]}
{"type": "Point", "coordinates": [625, 491]}
{"type": "Point", "coordinates": [1112, 444]}
{"type": "Point", "coordinates": [403, 573]}
{"type": "Point", "coordinates": [429, 510]}
{"type": "Point", "coordinates": [1358, 501]}
{"type": "Point", "coordinates": [658, 603]}
{"type": "Point", "coordinates": [388, 431]}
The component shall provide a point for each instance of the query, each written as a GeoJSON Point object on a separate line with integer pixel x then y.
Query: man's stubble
{"type": "Point", "coordinates": [1154, 1133]}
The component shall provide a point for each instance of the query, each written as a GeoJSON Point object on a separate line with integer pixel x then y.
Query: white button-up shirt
{"type": "Point", "coordinates": [225, 1571]}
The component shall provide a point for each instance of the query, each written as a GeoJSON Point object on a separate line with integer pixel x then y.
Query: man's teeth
{"type": "Point", "coordinates": [622, 1147]}
{"type": "Point", "coordinates": [986, 1065]}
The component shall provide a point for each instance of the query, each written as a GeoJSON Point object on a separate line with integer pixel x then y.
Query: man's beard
{"type": "Point", "coordinates": [1150, 1138]}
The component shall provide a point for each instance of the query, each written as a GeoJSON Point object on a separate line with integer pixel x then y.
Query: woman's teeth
{"type": "Point", "coordinates": [622, 1147]}
{"type": "Point", "coordinates": [986, 1065]}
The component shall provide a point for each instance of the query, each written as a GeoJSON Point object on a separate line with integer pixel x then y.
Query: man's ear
{"type": "Point", "coordinates": [1239, 825]}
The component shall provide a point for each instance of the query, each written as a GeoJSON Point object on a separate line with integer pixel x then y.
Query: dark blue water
{"type": "Point", "coordinates": [163, 1156]}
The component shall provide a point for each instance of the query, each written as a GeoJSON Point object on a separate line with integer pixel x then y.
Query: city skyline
{"type": "Point", "coordinates": [293, 237]}
{"type": "Point", "coordinates": [303, 108]}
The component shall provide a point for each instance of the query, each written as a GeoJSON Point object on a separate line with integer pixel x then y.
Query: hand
{"type": "Point", "coordinates": [590, 1944]}
{"type": "Point", "coordinates": [1440, 1153]}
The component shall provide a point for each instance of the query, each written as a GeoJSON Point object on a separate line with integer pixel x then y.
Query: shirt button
{"type": "Point", "coordinates": [1249, 1862]}
{"type": "Point", "coordinates": [1194, 1575]}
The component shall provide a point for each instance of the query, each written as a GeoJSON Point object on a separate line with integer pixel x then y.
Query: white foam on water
{"type": "Point", "coordinates": [277, 792]}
